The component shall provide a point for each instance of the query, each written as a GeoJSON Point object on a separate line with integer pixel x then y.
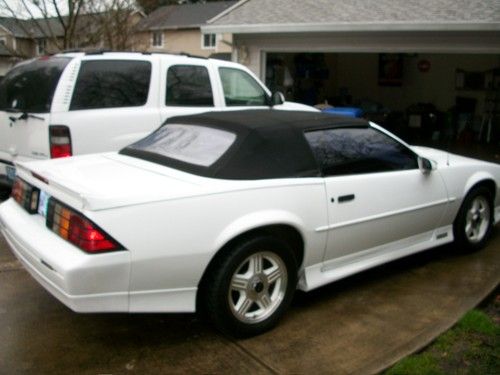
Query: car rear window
{"type": "Point", "coordinates": [111, 84]}
{"type": "Point", "coordinates": [198, 145]}
{"type": "Point", "coordinates": [30, 87]}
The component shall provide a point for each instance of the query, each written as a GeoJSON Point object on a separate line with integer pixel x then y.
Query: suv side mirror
{"type": "Point", "coordinates": [426, 165]}
{"type": "Point", "coordinates": [277, 98]}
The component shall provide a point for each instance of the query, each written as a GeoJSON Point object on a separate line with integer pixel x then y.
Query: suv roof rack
{"type": "Point", "coordinates": [174, 54]}
{"type": "Point", "coordinates": [100, 51]}
{"type": "Point", "coordinates": [87, 51]}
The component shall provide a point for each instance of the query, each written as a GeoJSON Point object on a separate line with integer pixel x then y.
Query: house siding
{"type": "Point", "coordinates": [187, 41]}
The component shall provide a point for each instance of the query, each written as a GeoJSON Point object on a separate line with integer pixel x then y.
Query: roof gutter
{"type": "Point", "coordinates": [351, 27]}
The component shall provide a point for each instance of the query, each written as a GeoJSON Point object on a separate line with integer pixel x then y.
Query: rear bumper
{"type": "Point", "coordinates": [83, 282]}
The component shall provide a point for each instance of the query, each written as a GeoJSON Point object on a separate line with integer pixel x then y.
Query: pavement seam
{"type": "Point", "coordinates": [252, 356]}
{"type": "Point", "coordinates": [10, 266]}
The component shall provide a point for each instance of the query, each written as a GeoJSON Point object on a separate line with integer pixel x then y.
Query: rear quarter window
{"type": "Point", "coordinates": [30, 87]}
{"type": "Point", "coordinates": [111, 84]}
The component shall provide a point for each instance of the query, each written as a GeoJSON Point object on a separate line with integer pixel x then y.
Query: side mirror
{"type": "Point", "coordinates": [426, 165]}
{"type": "Point", "coordinates": [277, 98]}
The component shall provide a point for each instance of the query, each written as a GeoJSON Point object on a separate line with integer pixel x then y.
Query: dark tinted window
{"type": "Point", "coordinates": [189, 86]}
{"type": "Point", "coordinates": [111, 84]}
{"type": "Point", "coordinates": [358, 150]}
{"type": "Point", "coordinates": [30, 87]}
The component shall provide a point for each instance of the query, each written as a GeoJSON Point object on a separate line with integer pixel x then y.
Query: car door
{"type": "Point", "coordinates": [378, 199]}
{"type": "Point", "coordinates": [186, 89]}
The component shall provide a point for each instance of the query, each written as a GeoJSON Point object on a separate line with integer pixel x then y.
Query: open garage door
{"type": "Point", "coordinates": [422, 97]}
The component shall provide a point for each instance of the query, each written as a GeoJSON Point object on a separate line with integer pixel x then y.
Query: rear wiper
{"type": "Point", "coordinates": [25, 116]}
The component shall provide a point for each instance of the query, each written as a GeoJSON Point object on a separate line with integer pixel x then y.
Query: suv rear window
{"type": "Point", "coordinates": [111, 84]}
{"type": "Point", "coordinates": [30, 87]}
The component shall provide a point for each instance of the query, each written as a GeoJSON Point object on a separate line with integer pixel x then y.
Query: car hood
{"type": "Point", "coordinates": [102, 181]}
{"type": "Point", "coordinates": [444, 158]}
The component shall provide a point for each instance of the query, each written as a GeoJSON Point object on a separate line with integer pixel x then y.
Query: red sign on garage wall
{"type": "Point", "coordinates": [424, 66]}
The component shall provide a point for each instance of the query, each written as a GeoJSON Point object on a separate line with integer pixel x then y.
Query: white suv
{"type": "Point", "coordinates": [77, 103]}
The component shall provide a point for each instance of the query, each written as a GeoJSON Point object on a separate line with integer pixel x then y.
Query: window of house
{"type": "Point", "coordinates": [347, 151]}
{"type": "Point", "coordinates": [157, 39]}
{"type": "Point", "coordinates": [3, 40]}
{"type": "Point", "coordinates": [209, 40]}
{"type": "Point", "coordinates": [241, 89]}
{"type": "Point", "coordinates": [41, 46]}
{"type": "Point", "coordinates": [189, 86]}
{"type": "Point", "coordinates": [111, 84]}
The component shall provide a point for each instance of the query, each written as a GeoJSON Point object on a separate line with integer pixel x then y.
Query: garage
{"type": "Point", "coordinates": [429, 70]}
{"type": "Point", "coordinates": [420, 96]}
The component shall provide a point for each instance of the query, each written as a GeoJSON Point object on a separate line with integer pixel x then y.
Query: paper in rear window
{"type": "Point", "coordinates": [192, 144]}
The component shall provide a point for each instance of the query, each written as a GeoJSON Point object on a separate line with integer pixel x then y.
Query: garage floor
{"type": "Point", "coordinates": [355, 326]}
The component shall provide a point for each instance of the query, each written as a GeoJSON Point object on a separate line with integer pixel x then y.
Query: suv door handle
{"type": "Point", "coordinates": [346, 198]}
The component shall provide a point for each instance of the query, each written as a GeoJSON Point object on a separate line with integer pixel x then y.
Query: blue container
{"type": "Point", "coordinates": [345, 111]}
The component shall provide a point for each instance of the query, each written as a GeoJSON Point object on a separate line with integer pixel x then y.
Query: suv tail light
{"type": "Point", "coordinates": [60, 141]}
{"type": "Point", "coordinates": [78, 230]}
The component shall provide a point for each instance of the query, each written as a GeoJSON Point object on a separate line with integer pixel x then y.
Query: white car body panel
{"type": "Point", "coordinates": [173, 223]}
{"type": "Point", "coordinates": [61, 267]}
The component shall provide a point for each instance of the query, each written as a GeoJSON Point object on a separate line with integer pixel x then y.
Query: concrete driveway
{"type": "Point", "coordinates": [356, 326]}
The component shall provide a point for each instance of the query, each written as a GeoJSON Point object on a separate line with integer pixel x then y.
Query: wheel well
{"type": "Point", "coordinates": [284, 232]}
{"type": "Point", "coordinates": [488, 184]}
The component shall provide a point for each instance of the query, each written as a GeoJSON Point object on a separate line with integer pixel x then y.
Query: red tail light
{"type": "Point", "coordinates": [78, 230]}
{"type": "Point", "coordinates": [26, 195]}
{"type": "Point", "coordinates": [60, 141]}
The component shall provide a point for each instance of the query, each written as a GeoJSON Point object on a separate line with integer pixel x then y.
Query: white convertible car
{"type": "Point", "coordinates": [228, 213]}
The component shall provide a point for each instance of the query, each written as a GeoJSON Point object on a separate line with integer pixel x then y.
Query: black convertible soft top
{"type": "Point", "coordinates": [269, 143]}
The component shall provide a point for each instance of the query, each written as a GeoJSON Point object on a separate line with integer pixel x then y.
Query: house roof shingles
{"type": "Point", "coordinates": [260, 14]}
{"type": "Point", "coordinates": [29, 29]}
{"type": "Point", "coordinates": [183, 16]}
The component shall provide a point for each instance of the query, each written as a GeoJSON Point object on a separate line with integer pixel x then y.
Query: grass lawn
{"type": "Point", "coordinates": [471, 347]}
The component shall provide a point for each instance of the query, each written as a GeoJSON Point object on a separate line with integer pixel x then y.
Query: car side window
{"type": "Point", "coordinates": [347, 151]}
{"type": "Point", "coordinates": [111, 84]}
{"type": "Point", "coordinates": [189, 86]}
{"type": "Point", "coordinates": [240, 89]}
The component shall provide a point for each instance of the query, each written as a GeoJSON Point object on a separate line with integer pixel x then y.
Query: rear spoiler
{"type": "Point", "coordinates": [57, 189]}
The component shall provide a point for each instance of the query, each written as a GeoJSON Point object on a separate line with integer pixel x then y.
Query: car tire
{"type": "Point", "coordinates": [473, 224]}
{"type": "Point", "coordinates": [250, 286]}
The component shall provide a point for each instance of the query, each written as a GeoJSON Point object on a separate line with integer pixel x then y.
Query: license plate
{"type": "Point", "coordinates": [11, 172]}
{"type": "Point", "coordinates": [43, 202]}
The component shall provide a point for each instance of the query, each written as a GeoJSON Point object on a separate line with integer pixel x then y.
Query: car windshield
{"type": "Point", "coordinates": [30, 87]}
{"type": "Point", "coordinates": [198, 145]}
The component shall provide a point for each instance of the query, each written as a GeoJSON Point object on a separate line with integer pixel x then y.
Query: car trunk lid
{"type": "Point", "coordinates": [103, 181]}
